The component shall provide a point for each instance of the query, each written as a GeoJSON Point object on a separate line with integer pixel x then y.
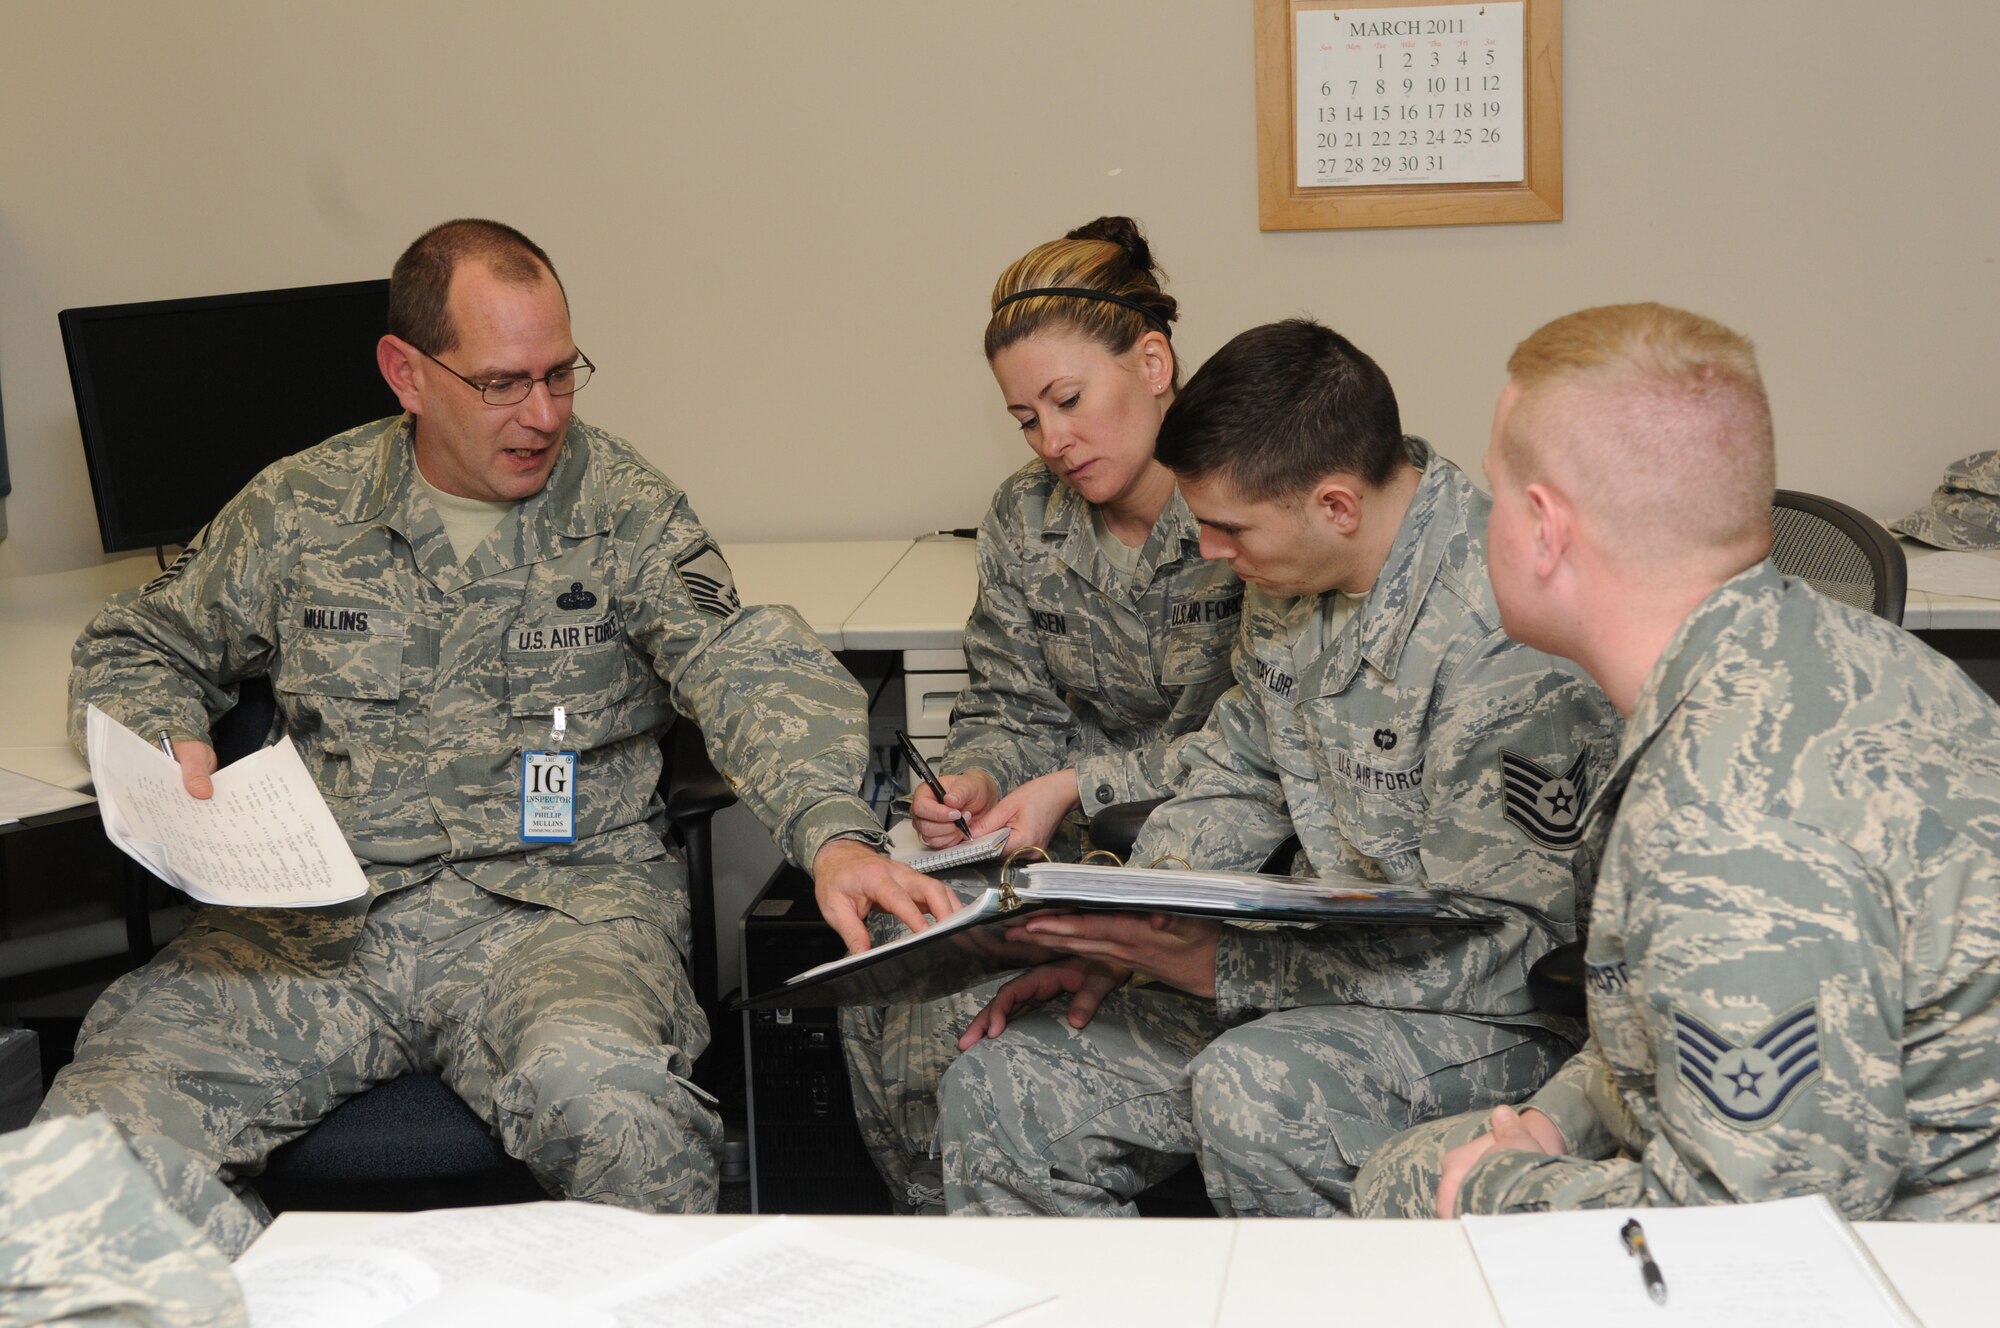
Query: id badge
{"type": "Point", "coordinates": [548, 797]}
{"type": "Point", "coordinates": [548, 791]}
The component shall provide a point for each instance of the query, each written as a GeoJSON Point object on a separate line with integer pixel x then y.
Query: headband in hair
{"type": "Point", "coordinates": [1086, 293]}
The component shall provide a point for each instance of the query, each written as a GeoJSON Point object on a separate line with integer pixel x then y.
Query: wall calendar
{"type": "Point", "coordinates": [1396, 113]}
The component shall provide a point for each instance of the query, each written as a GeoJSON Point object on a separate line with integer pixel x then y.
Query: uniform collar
{"type": "Point", "coordinates": [1066, 520]}
{"type": "Point", "coordinates": [572, 504]}
{"type": "Point", "coordinates": [1696, 650]}
{"type": "Point", "coordinates": [1442, 511]}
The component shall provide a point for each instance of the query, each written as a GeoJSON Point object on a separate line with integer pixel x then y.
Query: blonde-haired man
{"type": "Point", "coordinates": [1794, 952]}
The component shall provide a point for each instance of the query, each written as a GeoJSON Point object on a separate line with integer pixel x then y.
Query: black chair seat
{"type": "Point", "coordinates": [406, 1144]}
{"type": "Point", "coordinates": [1555, 982]}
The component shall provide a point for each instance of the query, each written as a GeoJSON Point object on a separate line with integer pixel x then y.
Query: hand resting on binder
{"type": "Point", "coordinates": [1167, 947]}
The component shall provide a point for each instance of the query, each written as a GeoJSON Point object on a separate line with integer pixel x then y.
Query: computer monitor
{"type": "Point", "coordinates": [182, 402]}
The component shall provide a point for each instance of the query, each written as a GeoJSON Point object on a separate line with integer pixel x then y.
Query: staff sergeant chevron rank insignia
{"type": "Point", "coordinates": [1545, 806]}
{"type": "Point", "coordinates": [1748, 1086]}
{"type": "Point", "coordinates": [708, 580]}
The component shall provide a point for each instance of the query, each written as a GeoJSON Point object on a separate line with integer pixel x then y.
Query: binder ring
{"type": "Point", "coordinates": [1103, 855]}
{"type": "Point", "coordinates": [1173, 857]}
{"type": "Point", "coordinates": [1007, 899]}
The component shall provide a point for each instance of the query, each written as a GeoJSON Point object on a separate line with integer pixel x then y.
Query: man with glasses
{"type": "Point", "coordinates": [435, 598]}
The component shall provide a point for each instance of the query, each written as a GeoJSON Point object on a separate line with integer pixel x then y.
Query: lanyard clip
{"type": "Point", "coordinates": [558, 727]}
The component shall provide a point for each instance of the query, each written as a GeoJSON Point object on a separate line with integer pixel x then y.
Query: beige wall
{"type": "Point", "coordinates": [779, 221]}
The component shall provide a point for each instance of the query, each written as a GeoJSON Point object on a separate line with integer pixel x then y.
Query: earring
{"type": "Point", "coordinates": [1159, 388]}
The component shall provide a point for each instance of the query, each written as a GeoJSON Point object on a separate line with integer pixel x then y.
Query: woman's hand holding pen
{"type": "Point", "coordinates": [969, 795]}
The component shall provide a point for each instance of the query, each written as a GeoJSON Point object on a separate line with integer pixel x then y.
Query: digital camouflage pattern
{"type": "Point", "coordinates": [411, 683]}
{"type": "Point", "coordinates": [1388, 754]}
{"type": "Point", "coordinates": [1964, 511]}
{"type": "Point", "coordinates": [1794, 956]}
{"type": "Point", "coordinates": [88, 1236]}
{"type": "Point", "coordinates": [1070, 666]}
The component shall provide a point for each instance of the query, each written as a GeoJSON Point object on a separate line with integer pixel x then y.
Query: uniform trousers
{"type": "Point", "coordinates": [573, 1040]}
{"type": "Point", "coordinates": [1279, 1111]}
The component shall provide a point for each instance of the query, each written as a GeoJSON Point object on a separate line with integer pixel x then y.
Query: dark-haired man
{"type": "Point", "coordinates": [427, 594]}
{"type": "Point", "coordinates": [1380, 715]}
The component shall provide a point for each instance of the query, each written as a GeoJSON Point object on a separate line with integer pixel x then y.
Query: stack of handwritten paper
{"type": "Point", "coordinates": [588, 1266]}
{"type": "Point", "coordinates": [1790, 1261]}
{"type": "Point", "coordinates": [265, 840]}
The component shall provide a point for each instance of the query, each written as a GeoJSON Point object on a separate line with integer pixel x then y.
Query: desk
{"type": "Point", "coordinates": [825, 582]}
{"type": "Point", "coordinates": [920, 609]}
{"type": "Point", "coordinates": [1924, 611]}
{"type": "Point", "coordinates": [1252, 1273]}
{"type": "Point", "coordinates": [40, 618]}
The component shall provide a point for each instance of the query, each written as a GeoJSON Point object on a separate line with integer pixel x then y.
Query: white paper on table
{"type": "Point", "coordinates": [456, 1265]}
{"type": "Point", "coordinates": [1755, 1265]}
{"type": "Point", "coordinates": [595, 1267]}
{"type": "Point", "coordinates": [785, 1273]}
{"type": "Point", "coordinates": [264, 840]}
{"type": "Point", "coordinates": [1974, 575]}
{"type": "Point", "coordinates": [22, 797]}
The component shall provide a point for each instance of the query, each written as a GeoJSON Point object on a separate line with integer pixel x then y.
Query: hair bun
{"type": "Point", "coordinates": [1121, 231]}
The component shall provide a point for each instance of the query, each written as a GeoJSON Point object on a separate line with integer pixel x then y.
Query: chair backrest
{"type": "Point", "coordinates": [1842, 553]}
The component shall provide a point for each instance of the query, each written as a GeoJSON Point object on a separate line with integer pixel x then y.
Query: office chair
{"type": "Point", "coordinates": [411, 1142]}
{"type": "Point", "coordinates": [1838, 551]}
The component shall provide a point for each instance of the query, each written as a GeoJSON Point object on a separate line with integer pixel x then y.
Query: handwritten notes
{"type": "Point", "coordinates": [264, 840]}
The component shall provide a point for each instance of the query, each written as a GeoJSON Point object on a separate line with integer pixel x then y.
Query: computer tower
{"type": "Point", "coordinates": [805, 1150]}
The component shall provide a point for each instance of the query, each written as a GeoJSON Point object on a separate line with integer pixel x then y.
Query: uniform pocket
{"type": "Point", "coordinates": [1066, 648]}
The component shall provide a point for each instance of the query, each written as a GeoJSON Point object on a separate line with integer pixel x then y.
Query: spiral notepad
{"type": "Point", "coordinates": [906, 848]}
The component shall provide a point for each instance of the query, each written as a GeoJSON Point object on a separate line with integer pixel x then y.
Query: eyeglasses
{"type": "Point", "coordinates": [565, 381]}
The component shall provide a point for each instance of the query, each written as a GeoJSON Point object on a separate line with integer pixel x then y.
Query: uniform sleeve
{"type": "Point", "coordinates": [1011, 720]}
{"type": "Point", "coordinates": [1508, 718]}
{"type": "Point", "coordinates": [1765, 986]}
{"type": "Point", "coordinates": [1150, 770]}
{"type": "Point", "coordinates": [783, 722]}
{"type": "Point", "coordinates": [169, 656]}
{"type": "Point", "coordinates": [1229, 812]}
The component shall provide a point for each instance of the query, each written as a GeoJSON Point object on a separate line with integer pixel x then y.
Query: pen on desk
{"type": "Point", "coordinates": [1634, 1237]}
{"type": "Point", "coordinates": [166, 744]}
{"type": "Point", "coordinates": [923, 769]}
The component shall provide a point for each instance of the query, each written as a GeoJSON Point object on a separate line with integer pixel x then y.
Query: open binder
{"type": "Point", "coordinates": [971, 944]}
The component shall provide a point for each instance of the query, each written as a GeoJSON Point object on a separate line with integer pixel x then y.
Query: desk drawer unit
{"type": "Point", "coordinates": [932, 680]}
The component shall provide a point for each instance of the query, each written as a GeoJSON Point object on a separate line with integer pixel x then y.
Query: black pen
{"type": "Point", "coordinates": [1634, 1237]}
{"type": "Point", "coordinates": [923, 769]}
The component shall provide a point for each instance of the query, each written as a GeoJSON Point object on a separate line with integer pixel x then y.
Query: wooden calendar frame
{"type": "Point", "coordinates": [1284, 205]}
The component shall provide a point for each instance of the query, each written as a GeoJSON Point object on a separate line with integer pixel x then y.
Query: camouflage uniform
{"type": "Point", "coordinates": [1070, 667]}
{"type": "Point", "coordinates": [86, 1234]}
{"type": "Point", "coordinates": [1419, 745]}
{"type": "Point", "coordinates": [1794, 953]}
{"type": "Point", "coordinates": [545, 982]}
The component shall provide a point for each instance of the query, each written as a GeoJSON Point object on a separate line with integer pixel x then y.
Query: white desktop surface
{"type": "Point", "coordinates": [1255, 1273]}
{"type": "Point", "coordinates": [42, 615]}
{"type": "Point", "coordinates": [1160, 1272]}
{"type": "Point", "coordinates": [1925, 611]}
{"type": "Point", "coordinates": [40, 619]}
{"type": "Point", "coordinates": [924, 601]}
{"type": "Point", "coordinates": [825, 582]}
